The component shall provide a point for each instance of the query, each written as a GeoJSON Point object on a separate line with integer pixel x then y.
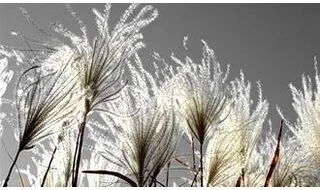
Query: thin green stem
{"type": "Point", "coordinates": [116, 174]}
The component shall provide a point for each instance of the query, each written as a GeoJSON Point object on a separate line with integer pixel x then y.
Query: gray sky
{"type": "Point", "coordinates": [273, 43]}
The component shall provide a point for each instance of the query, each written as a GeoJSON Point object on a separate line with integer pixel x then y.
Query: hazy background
{"type": "Point", "coordinates": [273, 43]}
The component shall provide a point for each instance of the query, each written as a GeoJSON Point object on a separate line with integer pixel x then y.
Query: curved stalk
{"type": "Point", "coordinates": [116, 174]}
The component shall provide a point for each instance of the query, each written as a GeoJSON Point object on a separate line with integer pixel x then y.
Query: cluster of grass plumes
{"type": "Point", "coordinates": [90, 114]}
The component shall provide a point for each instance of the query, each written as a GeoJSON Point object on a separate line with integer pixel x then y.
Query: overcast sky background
{"type": "Point", "coordinates": [273, 43]}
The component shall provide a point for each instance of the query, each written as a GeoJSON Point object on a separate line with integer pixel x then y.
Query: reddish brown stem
{"type": "Point", "coordinates": [240, 179]}
{"type": "Point", "coordinates": [275, 159]}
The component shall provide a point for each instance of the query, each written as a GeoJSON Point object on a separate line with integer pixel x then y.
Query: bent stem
{"type": "Point", "coordinates": [116, 174]}
{"type": "Point", "coordinates": [49, 166]}
{"type": "Point", "coordinates": [5, 184]}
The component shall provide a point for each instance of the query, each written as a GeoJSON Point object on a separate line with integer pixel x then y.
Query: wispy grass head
{"type": "Point", "coordinates": [206, 98]}
{"type": "Point", "coordinates": [204, 113]}
{"type": "Point", "coordinates": [42, 101]}
{"type": "Point", "coordinates": [294, 167]}
{"type": "Point", "coordinates": [148, 141]}
{"type": "Point", "coordinates": [220, 160]}
{"type": "Point", "coordinates": [306, 126]}
{"type": "Point", "coordinates": [245, 120]}
{"type": "Point", "coordinates": [60, 172]}
{"type": "Point", "coordinates": [100, 65]}
{"type": "Point", "coordinates": [234, 145]}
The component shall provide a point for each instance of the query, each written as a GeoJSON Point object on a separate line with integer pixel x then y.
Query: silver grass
{"type": "Point", "coordinates": [131, 107]}
{"type": "Point", "coordinates": [291, 167]}
{"type": "Point", "coordinates": [100, 65]}
{"type": "Point", "coordinates": [41, 104]}
{"type": "Point", "coordinates": [194, 89]}
{"type": "Point", "coordinates": [201, 93]}
{"type": "Point", "coordinates": [145, 90]}
{"type": "Point", "coordinates": [60, 172]}
{"type": "Point", "coordinates": [306, 127]}
{"type": "Point", "coordinates": [175, 85]}
{"type": "Point", "coordinates": [240, 117]}
{"type": "Point", "coordinates": [305, 103]}
{"type": "Point", "coordinates": [245, 122]}
{"type": "Point", "coordinates": [220, 163]}
{"type": "Point", "coordinates": [146, 142]}
{"type": "Point", "coordinates": [242, 128]}
{"type": "Point", "coordinates": [42, 101]}
{"type": "Point", "coordinates": [206, 99]}
{"type": "Point", "coordinates": [203, 113]}
{"type": "Point", "coordinates": [137, 139]}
